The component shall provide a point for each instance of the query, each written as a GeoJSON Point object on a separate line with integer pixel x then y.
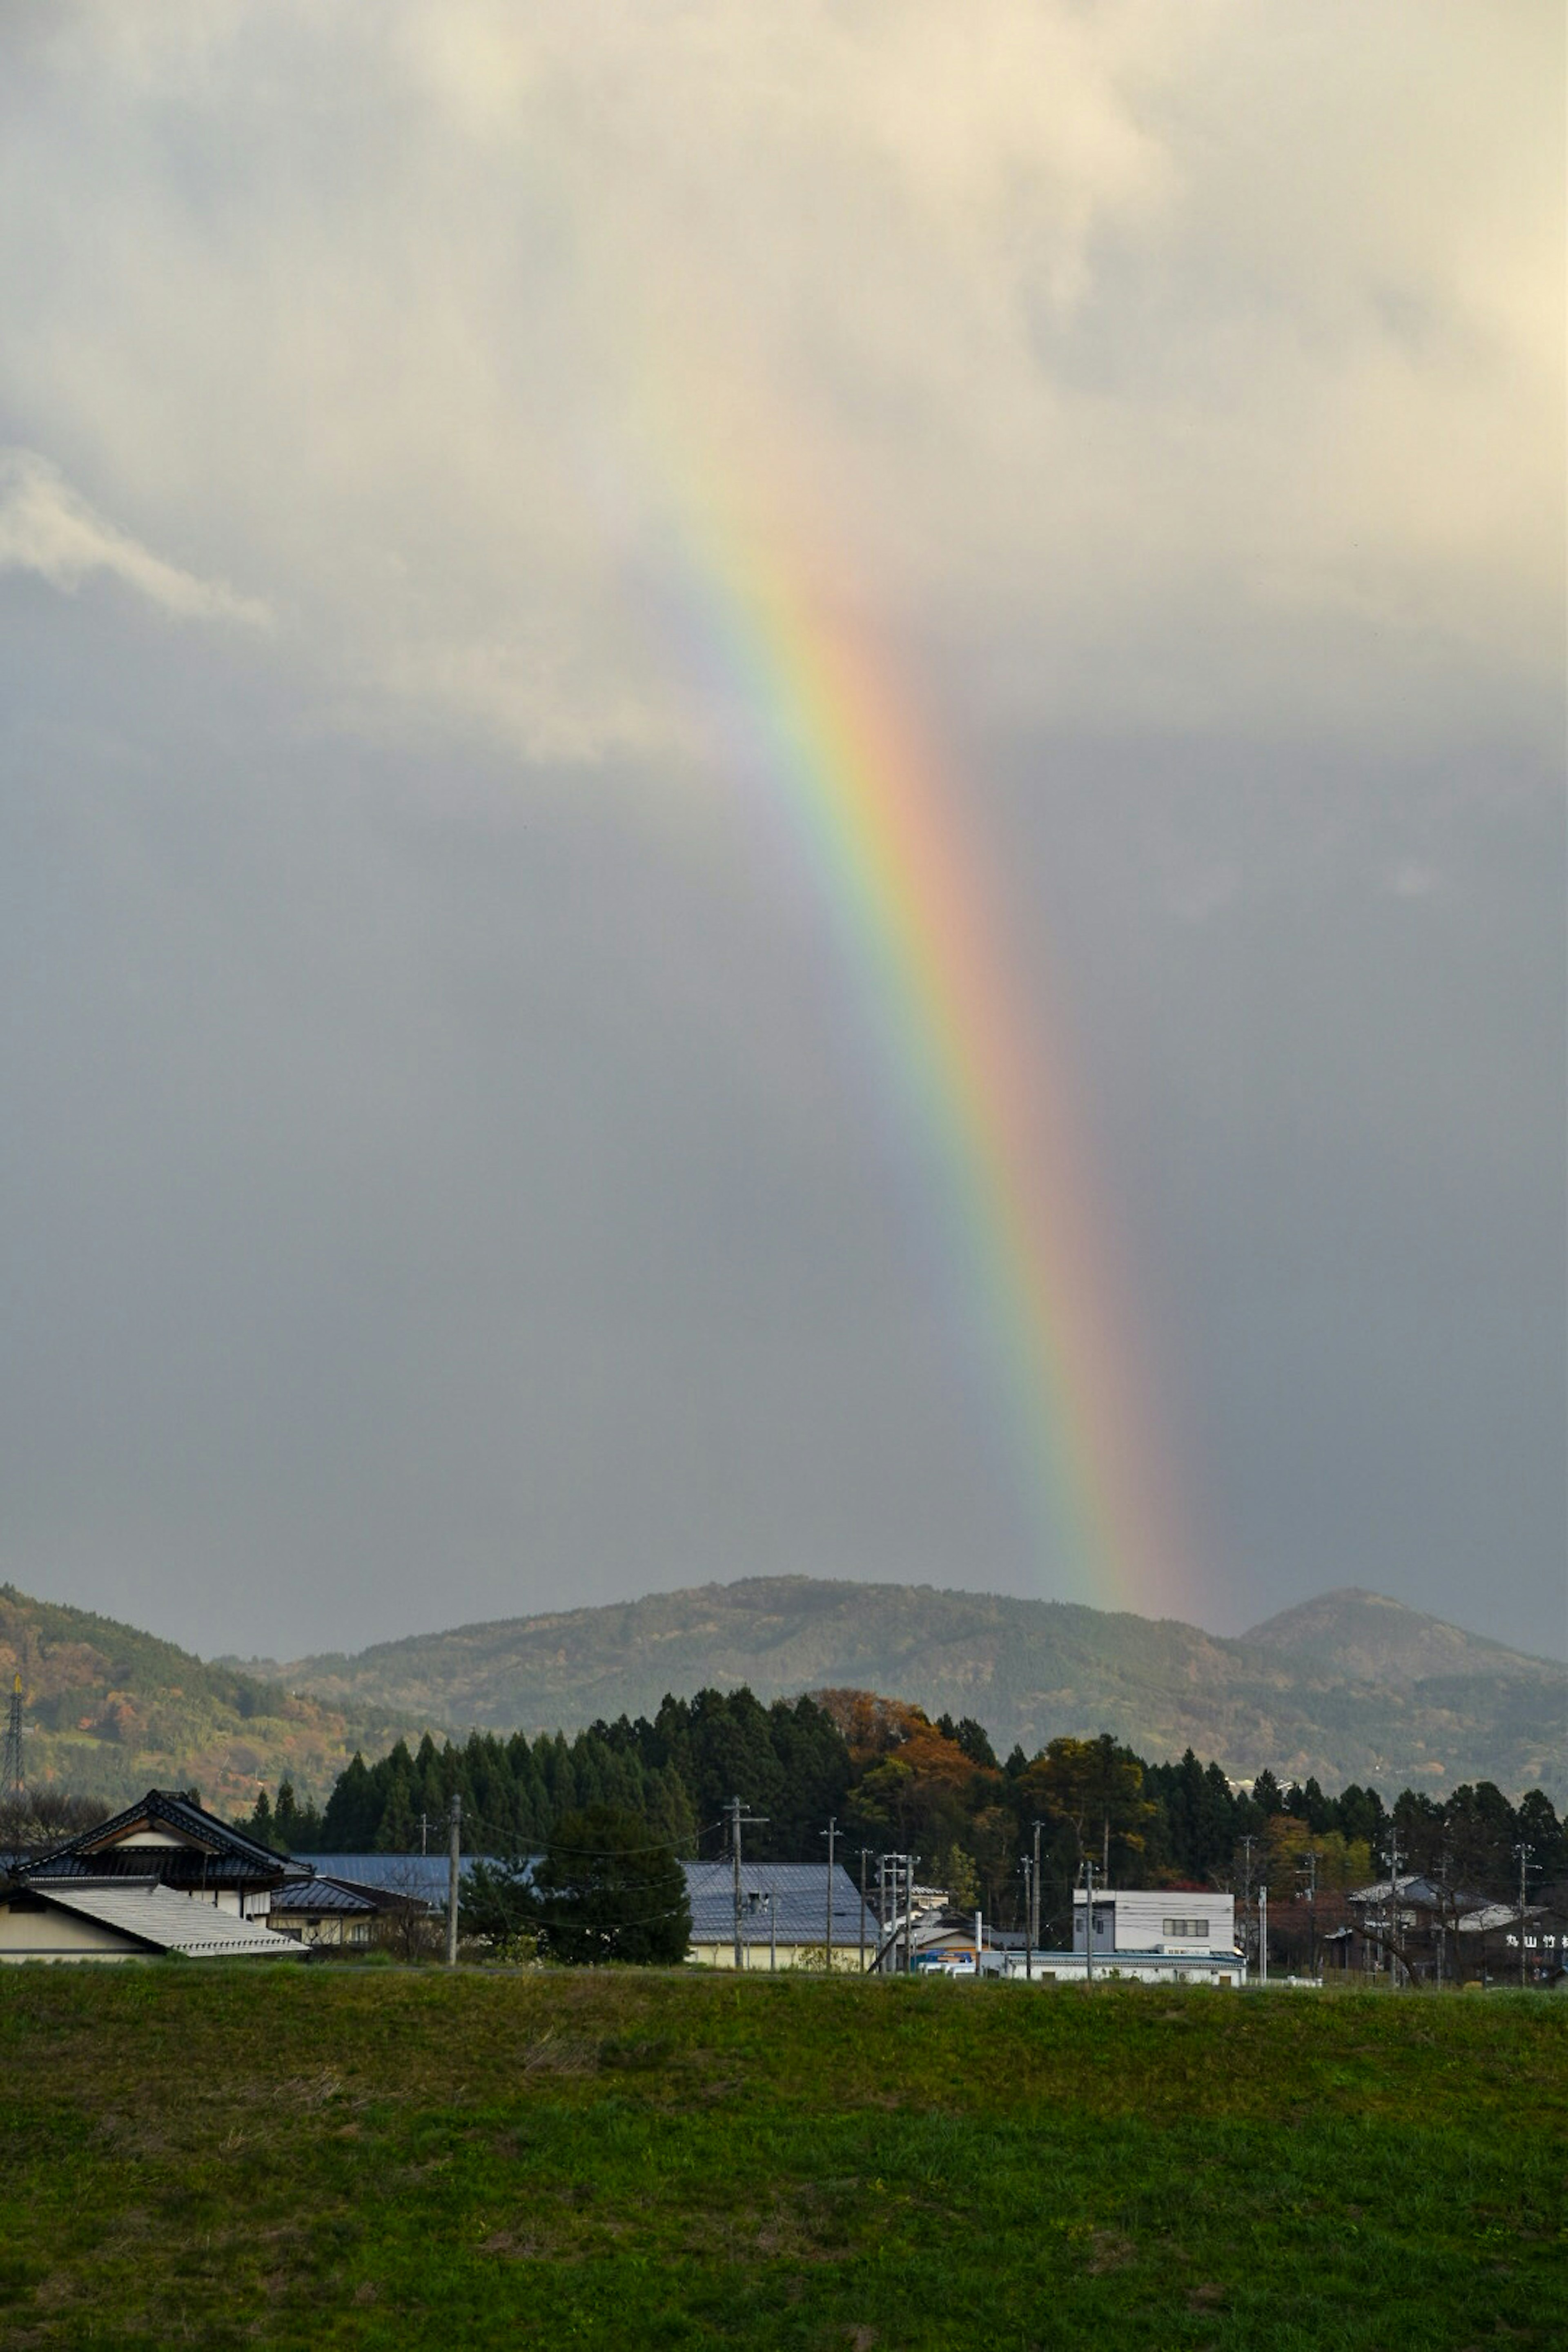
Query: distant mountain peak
{"type": "Point", "coordinates": [1369, 1637]}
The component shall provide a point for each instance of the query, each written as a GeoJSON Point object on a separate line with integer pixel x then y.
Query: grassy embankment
{"type": "Point", "coordinates": [378, 2158]}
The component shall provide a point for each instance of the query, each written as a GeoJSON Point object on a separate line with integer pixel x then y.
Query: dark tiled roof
{"type": "Point", "coordinates": [216, 1855]}
{"type": "Point", "coordinates": [313, 1894]}
{"type": "Point", "coordinates": [173, 1865]}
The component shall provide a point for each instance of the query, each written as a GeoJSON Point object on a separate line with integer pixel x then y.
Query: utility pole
{"type": "Point", "coordinates": [423, 1834]}
{"type": "Point", "coordinates": [1263, 1932]}
{"type": "Point", "coordinates": [452, 1872]}
{"type": "Point", "coordinates": [830, 1832]}
{"type": "Point", "coordinates": [1028, 1923]}
{"type": "Point", "coordinates": [738, 1818]}
{"type": "Point", "coordinates": [1391, 1855]}
{"type": "Point", "coordinates": [735, 1861]}
{"type": "Point", "coordinates": [1444, 1873]}
{"type": "Point", "coordinates": [1247, 1842]}
{"type": "Point", "coordinates": [909, 1862]}
{"type": "Point", "coordinates": [1310, 1862]}
{"type": "Point", "coordinates": [1088, 1922]}
{"type": "Point", "coordinates": [864, 1851]}
{"type": "Point", "coordinates": [1522, 1855]}
{"type": "Point", "coordinates": [1034, 1891]}
{"type": "Point", "coordinates": [773, 1930]}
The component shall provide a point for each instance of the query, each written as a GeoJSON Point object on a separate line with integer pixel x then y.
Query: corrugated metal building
{"type": "Point", "coordinates": [792, 1914]}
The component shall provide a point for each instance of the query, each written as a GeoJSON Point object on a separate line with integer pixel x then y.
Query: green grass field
{"type": "Point", "coordinates": [385, 2158]}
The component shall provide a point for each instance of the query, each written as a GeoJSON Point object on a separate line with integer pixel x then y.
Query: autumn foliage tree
{"type": "Point", "coordinates": [1096, 1788]}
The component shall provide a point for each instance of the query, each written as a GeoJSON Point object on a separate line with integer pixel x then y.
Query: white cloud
{"type": "Point", "coordinates": [48, 527]}
{"type": "Point", "coordinates": [1205, 362]}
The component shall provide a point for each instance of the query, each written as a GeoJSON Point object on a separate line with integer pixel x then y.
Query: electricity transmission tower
{"type": "Point", "coordinates": [12, 1778]}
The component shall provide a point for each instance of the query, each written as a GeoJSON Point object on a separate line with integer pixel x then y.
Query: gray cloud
{"type": "Point", "coordinates": [441, 1174]}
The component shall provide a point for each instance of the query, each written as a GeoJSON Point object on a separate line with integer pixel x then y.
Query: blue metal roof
{"type": "Point", "coordinates": [420, 1877]}
{"type": "Point", "coordinates": [797, 1892]}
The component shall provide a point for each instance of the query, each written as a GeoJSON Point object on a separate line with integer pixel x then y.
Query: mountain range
{"type": "Point", "coordinates": [1349, 1686]}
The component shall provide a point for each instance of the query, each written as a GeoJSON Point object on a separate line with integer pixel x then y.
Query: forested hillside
{"type": "Point", "coordinates": [1353, 1687]}
{"type": "Point", "coordinates": [109, 1711]}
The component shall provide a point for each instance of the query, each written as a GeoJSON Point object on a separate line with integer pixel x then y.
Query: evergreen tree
{"type": "Point", "coordinates": [353, 1811]}
{"type": "Point", "coordinates": [1539, 1826]}
{"type": "Point", "coordinates": [606, 1891]}
{"type": "Point", "coordinates": [814, 1772]}
{"type": "Point", "coordinates": [1482, 1831]}
{"type": "Point", "coordinates": [497, 1902]}
{"type": "Point", "coordinates": [732, 1755]}
{"type": "Point", "coordinates": [297, 1826]}
{"type": "Point", "coordinates": [1360, 1817]}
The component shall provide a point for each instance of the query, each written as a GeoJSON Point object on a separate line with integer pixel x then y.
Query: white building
{"type": "Point", "coordinates": [1159, 1919]}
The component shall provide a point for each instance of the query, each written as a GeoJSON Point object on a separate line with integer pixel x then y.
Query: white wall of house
{"type": "Point", "coordinates": [1157, 1919]}
{"type": "Point", "coordinates": [331, 1927]}
{"type": "Point", "coordinates": [239, 1903]}
{"type": "Point", "coordinates": [51, 1934]}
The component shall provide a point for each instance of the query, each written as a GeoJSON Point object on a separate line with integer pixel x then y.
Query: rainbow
{"type": "Point", "coordinates": [989, 1111]}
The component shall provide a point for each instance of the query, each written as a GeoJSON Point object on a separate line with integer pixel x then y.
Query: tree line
{"type": "Point", "coordinates": [898, 1782]}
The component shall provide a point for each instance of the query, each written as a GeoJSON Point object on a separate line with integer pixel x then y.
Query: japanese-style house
{"type": "Point", "coordinates": [141, 1882]}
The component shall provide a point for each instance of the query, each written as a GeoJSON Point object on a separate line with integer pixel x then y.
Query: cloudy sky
{"type": "Point", "coordinates": [447, 1163]}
